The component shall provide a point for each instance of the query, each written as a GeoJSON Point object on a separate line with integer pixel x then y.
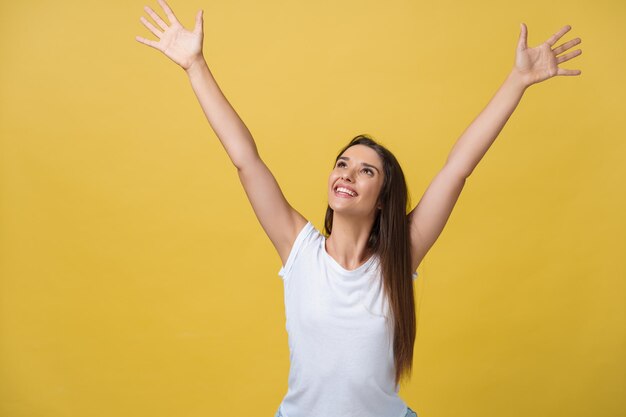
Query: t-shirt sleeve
{"type": "Point", "coordinates": [296, 248]}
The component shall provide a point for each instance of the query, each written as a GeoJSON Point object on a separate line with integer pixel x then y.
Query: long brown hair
{"type": "Point", "coordinates": [390, 240]}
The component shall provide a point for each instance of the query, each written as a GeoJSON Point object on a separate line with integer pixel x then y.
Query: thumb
{"type": "Point", "coordinates": [523, 38]}
{"type": "Point", "coordinates": [199, 22]}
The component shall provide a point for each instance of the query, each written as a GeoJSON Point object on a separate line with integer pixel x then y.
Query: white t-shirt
{"type": "Point", "coordinates": [340, 340]}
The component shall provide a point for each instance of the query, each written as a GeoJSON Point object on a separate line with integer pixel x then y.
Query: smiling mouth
{"type": "Point", "coordinates": [344, 193]}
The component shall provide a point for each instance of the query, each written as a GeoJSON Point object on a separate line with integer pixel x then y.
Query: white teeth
{"type": "Point", "coordinates": [345, 190]}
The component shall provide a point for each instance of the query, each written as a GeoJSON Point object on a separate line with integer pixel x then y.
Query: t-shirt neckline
{"type": "Point", "coordinates": [337, 266]}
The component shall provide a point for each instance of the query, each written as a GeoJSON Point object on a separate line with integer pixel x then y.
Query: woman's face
{"type": "Point", "coordinates": [360, 170]}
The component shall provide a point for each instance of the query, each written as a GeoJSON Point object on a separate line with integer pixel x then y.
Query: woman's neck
{"type": "Point", "coordinates": [347, 243]}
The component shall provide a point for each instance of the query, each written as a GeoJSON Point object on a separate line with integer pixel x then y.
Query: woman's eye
{"type": "Point", "coordinates": [340, 164]}
{"type": "Point", "coordinates": [369, 171]}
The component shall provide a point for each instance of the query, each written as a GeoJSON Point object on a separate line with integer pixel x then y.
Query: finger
{"type": "Point", "coordinates": [155, 17]}
{"type": "Point", "coordinates": [149, 25]}
{"type": "Point", "coordinates": [522, 43]}
{"type": "Point", "coordinates": [563, 71]}
{"type": "Point", "coordinates": [199, 22]}
{"type": "Point", "coordinates": [568, 56]}
{"type": "Point", "coordinates": [147, 42]}
{"type": "Point", "coordinates": [168, 12]}
{"type": "Point", "coordinates": [564, 47]}
{"type": "Point", "coordinates": [558, 35]}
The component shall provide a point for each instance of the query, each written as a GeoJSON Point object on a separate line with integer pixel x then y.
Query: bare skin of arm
{"type": "Point", "coordinates": [532, 66]}
{"type": "Point", "coordinates": [279, 220]}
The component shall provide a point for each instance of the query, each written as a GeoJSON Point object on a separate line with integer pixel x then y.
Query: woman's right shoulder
{"type": "Point", "coordinates": [305, 233]}
{"type": "Point", "coordinates": [306, 236]}
{"type": "Point", "coordinates": [298, 227]}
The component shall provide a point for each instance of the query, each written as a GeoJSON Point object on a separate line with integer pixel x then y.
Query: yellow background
{"type": "Point", "coordinates": [136, 280]}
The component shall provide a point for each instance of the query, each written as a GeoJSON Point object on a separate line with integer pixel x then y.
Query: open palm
{"type": "Point", "coordinates": [179, 44]}
{"type": "Point", "coordinates": [541, 62]}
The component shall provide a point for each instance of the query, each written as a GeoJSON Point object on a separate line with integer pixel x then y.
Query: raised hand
{"type": "Point", "coordinates": [179, 44]}
{"type": "Point", "coordinates": [541, 62]}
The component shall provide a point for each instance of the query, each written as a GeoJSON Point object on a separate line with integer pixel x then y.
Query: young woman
{"type": "Point", "coordinates": [349, 292]}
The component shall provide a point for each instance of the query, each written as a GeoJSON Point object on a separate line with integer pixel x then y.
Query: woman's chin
{"type": "Point", "coordinates": [346, 210]}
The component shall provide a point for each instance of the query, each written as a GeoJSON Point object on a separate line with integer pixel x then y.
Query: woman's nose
{"type": "Point", "coordinates": [347, 175]}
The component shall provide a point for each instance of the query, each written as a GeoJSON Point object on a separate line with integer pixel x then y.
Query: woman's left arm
{"type": "Point", "coordinates": [532, 66]}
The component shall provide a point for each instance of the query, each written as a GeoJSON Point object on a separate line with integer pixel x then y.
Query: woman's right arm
{"type": "Point", "coordinates": [281, 222]}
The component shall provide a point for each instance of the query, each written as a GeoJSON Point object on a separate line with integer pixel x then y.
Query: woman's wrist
{"type": "Point", "coordinates": [519, 79]}
{"type": "Point", "coordinates": [196, 65]}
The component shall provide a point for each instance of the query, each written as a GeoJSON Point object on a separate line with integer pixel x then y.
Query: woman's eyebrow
{"type": "Point", "coordinates": [362, 163]}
